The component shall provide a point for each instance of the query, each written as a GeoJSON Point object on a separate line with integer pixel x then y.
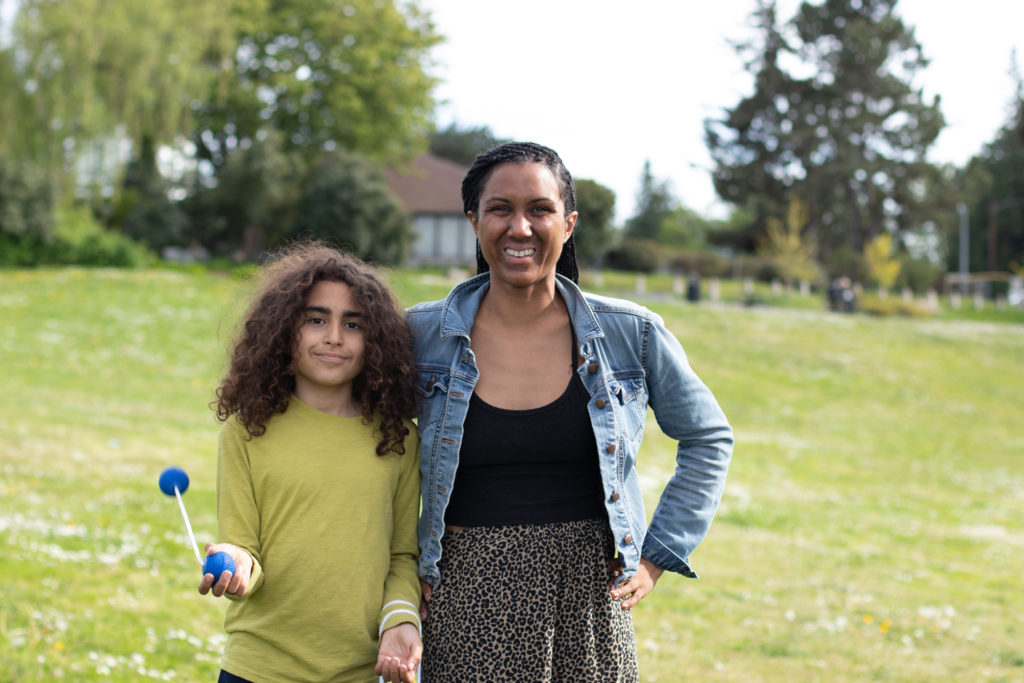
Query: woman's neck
{"type": "Point", "coordinates": [521, 306]}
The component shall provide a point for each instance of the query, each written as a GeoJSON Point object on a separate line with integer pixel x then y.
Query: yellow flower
{"type": "Point", "coordinates": [884, 626]}
{"type": "Point", "coordinates": [58, 646]}
{"type": "Point", "coordinates": [868, 619]}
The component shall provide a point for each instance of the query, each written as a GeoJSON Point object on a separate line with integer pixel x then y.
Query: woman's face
{"type": "Point", "coordinates": [521, 223]}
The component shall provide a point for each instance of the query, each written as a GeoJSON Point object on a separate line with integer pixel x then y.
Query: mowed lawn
{"type": "Point", "coordinates": [872, 526]}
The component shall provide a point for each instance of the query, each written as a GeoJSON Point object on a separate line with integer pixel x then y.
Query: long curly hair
{"type": "Point", "coordinates": [261, 377]}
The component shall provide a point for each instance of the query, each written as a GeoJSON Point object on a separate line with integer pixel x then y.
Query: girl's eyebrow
{"type": "Point", "coordinates": [327, 311]}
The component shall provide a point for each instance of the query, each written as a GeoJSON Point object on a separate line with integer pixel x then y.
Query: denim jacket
{"type": "Point", "coordinates": [629, 361]}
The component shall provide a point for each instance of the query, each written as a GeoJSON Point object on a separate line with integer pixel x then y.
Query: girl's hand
{"type": "Point", "coordinates": [399, 654]}
{"type": "Point", "coordinates": [425, 589]}
{"type": "Point", "coordinates": [639, 585]}
{"type": "Point", "coordinates": [232, 584]}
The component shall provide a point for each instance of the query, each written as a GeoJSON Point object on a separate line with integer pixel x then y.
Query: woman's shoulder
{"type": "Point", "coordinates": [612, 307]}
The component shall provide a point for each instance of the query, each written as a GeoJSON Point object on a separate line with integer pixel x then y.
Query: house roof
{"type": "Point", "coordinates": [430, 185]}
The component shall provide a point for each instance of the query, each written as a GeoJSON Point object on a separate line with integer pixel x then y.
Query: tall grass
{"type": "Point", "coordinates": [872, 526]}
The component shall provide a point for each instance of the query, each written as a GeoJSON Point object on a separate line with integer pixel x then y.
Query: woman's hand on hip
{"type": "Point", "coordinates": [639, 585]}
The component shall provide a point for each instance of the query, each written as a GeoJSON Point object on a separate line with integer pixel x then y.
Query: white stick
{"type": "Point", "coordinates": [188, 525]}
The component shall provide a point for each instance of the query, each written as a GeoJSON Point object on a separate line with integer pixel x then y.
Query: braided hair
{"type": "Point", "coordinates": [520, 153]}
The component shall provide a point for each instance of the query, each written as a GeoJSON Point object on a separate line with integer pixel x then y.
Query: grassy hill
{"type": "Point", "coordinates": [872, 526]}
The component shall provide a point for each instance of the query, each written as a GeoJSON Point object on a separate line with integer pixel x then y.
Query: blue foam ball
{"type": "Point", "coordinates": [217, 564]}
{"type": "Point", "coordinates": [171, 477]}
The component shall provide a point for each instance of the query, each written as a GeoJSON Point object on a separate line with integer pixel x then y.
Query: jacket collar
{"type": "Point", "coordinates": [462, 303]}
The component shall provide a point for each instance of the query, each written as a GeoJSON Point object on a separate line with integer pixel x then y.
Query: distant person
{"type": "Point", "coordinates": [841, 297]}
{"type": "Point", "coordinates": [318, 479]}
{"type": "Point", "coordinates": [535, 399]}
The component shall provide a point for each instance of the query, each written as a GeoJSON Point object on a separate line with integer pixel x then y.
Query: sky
{"type": "Point", "coordinates": [609, 84]}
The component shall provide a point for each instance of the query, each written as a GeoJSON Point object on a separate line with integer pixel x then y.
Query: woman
{"type": "Point", "coordinates": [535, 399]}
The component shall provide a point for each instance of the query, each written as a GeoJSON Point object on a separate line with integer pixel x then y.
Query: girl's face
{"type": "Point", "coordinates": [330, 344]}
{"type": "Point", "coordinates": [521, 224]}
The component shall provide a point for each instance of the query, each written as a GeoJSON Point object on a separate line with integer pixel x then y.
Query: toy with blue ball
{"type": "Point", "coordinates": [174, 482]}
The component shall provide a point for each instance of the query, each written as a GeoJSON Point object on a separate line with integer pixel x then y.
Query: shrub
{"type": "Point", "coordinates": [26, 202]}
{"type": "Point", "coordinates": [874, 305]}
{"type": "Point", "coordinates": [77, 240]}
{"type": "Point", "coordinates": [635, 255]}
{"type": "Point", "coordinates": [348, 202]}
{"type": "Point", "coordinates": [703, 263]}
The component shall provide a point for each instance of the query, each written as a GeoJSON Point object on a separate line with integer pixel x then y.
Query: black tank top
{"type": "Point", "coordinates": [528, 466]}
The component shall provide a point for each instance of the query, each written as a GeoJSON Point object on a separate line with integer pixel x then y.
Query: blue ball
{"type": "Point", "coordinates": [217, 564]}
{"type": "Point", "coordinates": [171, 477]}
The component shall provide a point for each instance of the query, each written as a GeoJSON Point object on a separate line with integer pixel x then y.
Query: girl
{"type": "Point", "coordinates": [318, 479]}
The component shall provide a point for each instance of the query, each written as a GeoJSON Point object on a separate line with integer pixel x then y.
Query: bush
{"type": "Point", "coordinates": [919, 274]}
{"type": "Point", "coordinates": [348, 202]}
{"type": "Point", "coordinates": [636, 255]}
{"type": "Point", "coordinates": [26, 203]}
{"type": "Point", "coordinates": [77, 240]}
{"type": "Point", "coordinates": [874, 305]}
{"type": "Point", "coordinates": [703, 263]}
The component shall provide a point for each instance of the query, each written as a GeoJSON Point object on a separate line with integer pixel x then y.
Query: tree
{"type": "Point", "coordinates": [593, 233]}
{"type": "Point", "coordinates": [653, 203]}
{"type": "Point", "coordinates": [882, 266]}
{"type": "Point", "coordinates": [254, 201]}
{"type": "Point", "coordinates": [850, 138]}
{"type": "Point", "coordinates": [26, 202]}
{"type": "Point", "coordinates": [347, 201]}
{"type": "Point", "coordinates": [792, 253]}
{"type": "Point", "coordinates": [997, 218]}
{"type": "Point", "coordinates": [462, 145]}
{"type": "Point", "coordinates": [329, 74]}
{"type": "Point", "coordinates": [93, 70]}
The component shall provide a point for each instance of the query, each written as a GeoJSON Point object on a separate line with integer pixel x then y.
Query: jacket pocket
{"type": "Point", "coordinates": [433, 390]}
{"type": "Point", "coordinates": [631, 393]}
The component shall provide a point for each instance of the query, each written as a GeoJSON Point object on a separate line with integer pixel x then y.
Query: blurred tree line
{"type": "Point", "coordinates": [243, 122]}
{"type": "Point", "coordinates": [837, 125]}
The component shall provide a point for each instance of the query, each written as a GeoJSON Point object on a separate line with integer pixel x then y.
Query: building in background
{"type": "Point", "coordinates": [431, 191]}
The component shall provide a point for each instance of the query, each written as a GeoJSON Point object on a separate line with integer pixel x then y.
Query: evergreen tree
{"type": "Point", "coordinates": [834, 119]}
{"type": "Point", "coordinates": [997, 221]}
{"type": "Point", "coordinates": [654, 203]}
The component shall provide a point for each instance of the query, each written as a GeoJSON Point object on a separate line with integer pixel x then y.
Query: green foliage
{"type": "Point", "coordinates": [254, 202]}
{"type": "Point", "coordinates": [144, 211]}
{"type": "Point", "coordinates": [889, 306]}
{"type": "Point", "coordinates": [593, 234]}
{"type": "Point", "coordinates": [654, 202]}
{"type": "Point", "coordinates": [791, 251]}
{"type": "Point", "coordinates": [703, 263]}
{"type": "Point", "coordinates": [94, 71]}
{"type": "Point", "coordinates": [642, 256]}
{"type": "Point", "coordinates": [348, 202]}
{"type": "Point", "coordinates": [78, 239]}
{"type": "Point", "coordinates": [918, 274]}
{"type": "Point", "coordinates": [850, 137]}
{"type": "Point", "coordinates": [683, 228]}
{"type": "Point", "coordinates": [883, 266]}
{"type": "Point", "coordinates": [334, 74]}
{"type": "Point", "coordinates": [997, 218]}
{"type": "Point", "coordinates": [462, 145]}
{"type": "Point", "coordinates": [26, 201]}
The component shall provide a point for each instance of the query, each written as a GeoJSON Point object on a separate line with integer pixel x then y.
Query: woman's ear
{"type": "Point", "coordinates": [471, 215]}
{"type": "Point", "coordinates": [570, 225]}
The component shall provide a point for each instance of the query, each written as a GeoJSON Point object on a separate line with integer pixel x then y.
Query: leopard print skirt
{"type": "Point", "coordinates": [528, 604]}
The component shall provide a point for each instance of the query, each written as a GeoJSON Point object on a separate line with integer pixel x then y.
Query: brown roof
{"type": "Point", "coordinates": [430, 185]}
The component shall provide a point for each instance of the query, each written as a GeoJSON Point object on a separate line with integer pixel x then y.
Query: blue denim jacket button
{"type": "Point", "coordinates": [592, 368]}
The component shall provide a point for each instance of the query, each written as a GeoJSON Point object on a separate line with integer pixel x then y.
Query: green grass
{"type": "Point", "coordinates": [872, 526]}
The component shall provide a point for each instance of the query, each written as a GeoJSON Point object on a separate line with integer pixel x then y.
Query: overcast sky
{"type": "Point", "coordinates": [609, 84]}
